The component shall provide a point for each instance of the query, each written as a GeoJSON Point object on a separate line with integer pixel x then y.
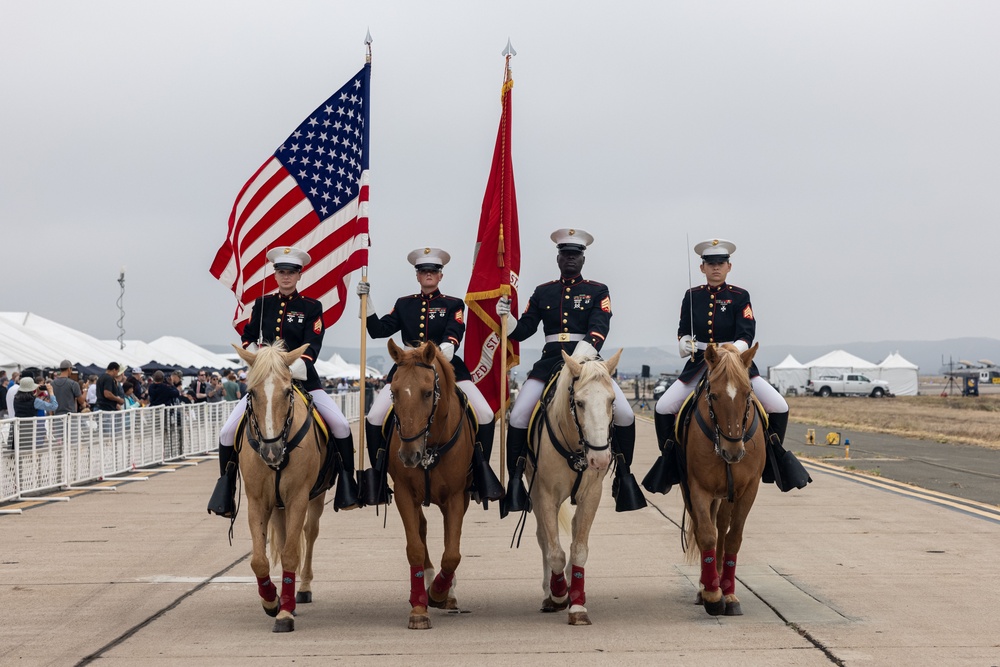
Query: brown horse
{"type": "Point", "coordinates": [430, 451]}
{"type": "Point", "coordinates": [281, 451]}
{"type": "Point", "coordinates": [570, 455]}
{"type": "Point", "coordinates": [725, 455]}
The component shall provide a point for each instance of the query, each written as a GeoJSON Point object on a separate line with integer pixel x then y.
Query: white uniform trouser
{"type": "Point", "coordinates": [380, 406]}
{"type": "Point", "coordinates": [531, 392]}
{"type": "Point", "coordinates": [675, 394]}
{"type": "Point", "coordinates": [328, 410]}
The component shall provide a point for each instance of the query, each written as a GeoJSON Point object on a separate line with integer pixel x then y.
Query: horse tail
{"type": "Point", "coordinates": [692, 554]}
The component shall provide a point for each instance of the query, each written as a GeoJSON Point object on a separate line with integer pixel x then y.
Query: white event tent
{"type": "Point", "coordinates": [336, 367]}
{"type": "Point", "coordinates": [66, 342]}
{"type": "Point", "coordinates": [902, 375]}
{"type": "Point", "coordinates": [789, 376]}
{"type": "Point", "coordinates": [839, 361]}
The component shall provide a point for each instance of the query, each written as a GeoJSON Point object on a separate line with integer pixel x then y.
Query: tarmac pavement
{"type": "Point", "coordinates": [853, 570]}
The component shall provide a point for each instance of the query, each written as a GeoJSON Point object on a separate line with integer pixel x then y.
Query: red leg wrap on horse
{"type": "Point", "coordinates": [709, 575]}
{"type": "Point", "coordinates": [418, 589]}
{"type": "Point", "coordinates": [442, 582]}
{"type": "Point", "coordinates": [729, 574]}
{"type": "Point", "coordinates": [287, 591]}
{"type": "Point", "coordinates": [266, 589]}
{"type": "Point", "coordinates": [557, 585]}
{"type": "Point", "coordinates": [576, 593]}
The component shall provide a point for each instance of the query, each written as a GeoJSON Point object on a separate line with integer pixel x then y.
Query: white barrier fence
{"type": "Point", "coordinates": [48, 453]}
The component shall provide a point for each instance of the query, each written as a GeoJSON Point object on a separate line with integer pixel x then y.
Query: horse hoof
{"type": "Point", "coordinates": [304, 596]}
{"type": "Point", "coordinates": [420, 622]}
{"type": "Point", "coordinates": [284, 625]}
{"type": "Point", "coordinates": [447, 603]}
{"type": "Point", "coordinates": [579, 618]}
{"type": "Point", "coordinates": [716, 608]}
{"type": "Point", "coordinates": [733, 608]}
{"type": "Point", "coordinates": [271, 611]}
{"type": "Point", "coordinates": [549, 605]}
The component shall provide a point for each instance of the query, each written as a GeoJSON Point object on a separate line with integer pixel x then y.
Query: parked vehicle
{"type": "Point", "coordinates": [847, 384]}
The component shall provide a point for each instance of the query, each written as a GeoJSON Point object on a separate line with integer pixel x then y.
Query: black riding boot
{"type": "Point", "coordinates": [624, 489]}
{"type": "Point", "coordinates": [666, 470]}
{"type": "Point", "coordinates": [516, 498]}
{"type": "Point", "coordinates": [223, 501]}
{"type": "Point", "coordinates": [346, 495]}
{"type": "Point", "coordinates": [782, 467]}
{"type": "Point", "coordinates": [485, 484]}
{"type": "Point", "coordinates": [374, 483]}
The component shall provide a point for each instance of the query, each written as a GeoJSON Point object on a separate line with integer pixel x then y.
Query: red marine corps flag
{"type": "Point", "coordinates": [312, 193]}
{"type": "Point", "coordinates": [496, 264]}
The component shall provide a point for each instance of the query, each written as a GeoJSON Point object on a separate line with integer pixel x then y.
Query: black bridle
{"type": "Point", "coordinates": [714, 433]}
{"type": "Point", "coordinates": [576, 458]}
{"type": "Point", "coordinates": [432, 455]}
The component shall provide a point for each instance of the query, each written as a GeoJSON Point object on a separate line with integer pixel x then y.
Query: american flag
{"type": "Point", "coordinates": [312, 193]}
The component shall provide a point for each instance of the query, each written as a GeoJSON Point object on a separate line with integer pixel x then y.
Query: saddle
{"type": "Point", "coordinates": [315, 421]}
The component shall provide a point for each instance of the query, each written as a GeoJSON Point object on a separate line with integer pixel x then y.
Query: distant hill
{"type": "Point", "coordinates": [928, 355]}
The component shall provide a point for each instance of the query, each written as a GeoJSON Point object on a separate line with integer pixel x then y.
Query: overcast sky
{"type": "Point", "coordinates": [851, 150]}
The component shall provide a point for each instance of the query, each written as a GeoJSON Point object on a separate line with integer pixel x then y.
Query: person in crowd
{"type": "Point", "coordinates": [131, 400]}
{"type": "Point", "coordinates": [162, 393]}
{"type": "Point", "coordinates": [241, 380]}
{"type": "Point", "coordinates": [425, 316]}
{"type": "Point", "coordinates": [30, 399]}
{"type": "Point", "coordinates": [92, 392]}
{"type": "Point", "coordinates": [297, 320]}
{"type": "Point", "coordinates": [215, 390]}
{"type": "Point", "coordinates": [343, 387]}
{"type": "Point", "coordinates": [139, 384]}
{"type": "Point", "coordinates": [107, 389]}
{"type": "Point", "coordinates": [717, 313]}
{"type": "Point", "coordinates": [67, 390]}
{"type": "Point", "coordinates": [198, 390]}
{"type": "Point", "coordinates": [230, 388]}
{"type": "Point", "coordinates": [573, 312]}
{"type": "Point", "coordinates": [10, 390]}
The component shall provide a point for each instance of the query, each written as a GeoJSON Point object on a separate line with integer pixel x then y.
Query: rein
{"type": "Point", "coordinates": [714, 433]}
{"type": "Point", "coordinates": [575, 459]}
{"type": "Point", "coordinates": [432, 455]}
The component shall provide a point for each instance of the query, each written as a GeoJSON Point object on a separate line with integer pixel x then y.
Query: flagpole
{"type": "Point", "coordinates": [364, 331]}
{"type": "Point", "coordinates": [505, 285]}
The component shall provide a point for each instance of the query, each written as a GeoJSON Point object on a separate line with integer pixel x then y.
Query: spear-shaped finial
{"type": "Point", "coordinates": [368, 45]}
{"type": "Point", "coordinates": [509, 51]}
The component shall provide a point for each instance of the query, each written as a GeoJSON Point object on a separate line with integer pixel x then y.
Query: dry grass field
{"type": "Point", "coordinates": [971, 420]}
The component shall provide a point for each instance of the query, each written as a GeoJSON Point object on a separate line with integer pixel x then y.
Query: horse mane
{"type": "Point", "coordinates": [270, 361]}
{"type": "Point", "coordinates": [446, 373]}
{"type": "Point", "coordinates": [588, 372]}
{"type": "Point", "coordinates": [731, 366]}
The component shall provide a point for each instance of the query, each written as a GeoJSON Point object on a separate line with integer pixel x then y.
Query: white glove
{"type": "Point", "coordinates": [503, 306]}
{"type": "Point", "coordinates": [584, 350]}
{"type": "Point", "coordinates": [364, 288]}
{"type": "Point", "coordinates": [298, 369]}
{"type": "Point", "coordinates": [252, 347]}
{"type": "Point", "coordinates": [448, 350]}
{"type": "Point", "coordinates": [741, 345]}
{"type": "Point", "coordinates": [686, 346]}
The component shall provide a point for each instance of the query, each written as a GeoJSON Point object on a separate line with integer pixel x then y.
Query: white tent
{"type": "Point", "coordinates": [789, 377]}
{"type": "Point", "coordinates": [336, 367]}
{"type": "Point", "coordinates": [839, 361]}
{"type": "Point", "coordinates": [20, 348]}
{"type": "Point", "coordinates": [901, 375]}
{"type": "Point", "coordinates": [182, 351]}
{"type": "Point", "coordinates": [68, 343]}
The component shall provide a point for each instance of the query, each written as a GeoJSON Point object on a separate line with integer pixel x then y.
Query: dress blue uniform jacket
{"type": "Point", "coordinates": [296, 319]}
{"type": "Point", "coordinates": [566, 306]}
{"type": "Point", "coordinates": [720, 314]}
{"type": "Point", "coordinates": [419, 318]}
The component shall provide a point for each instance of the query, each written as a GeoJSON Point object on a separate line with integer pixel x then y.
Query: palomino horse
{"type": "Point", "coordinates": [430, 452]}
{"type": "Point", "coordinates": [281, 452]}
{"type": "Point", "coordinates": [570, 454]}
{"type": "Point", "coordinates": [725, 453]}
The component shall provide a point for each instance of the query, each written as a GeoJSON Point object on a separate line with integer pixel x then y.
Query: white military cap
{"type": "Point", "coordinates": [290, 259]}
{"type": "Point", "coordinates": [715, 250]}
{"type": "Point", "coordinates": [428, 258]}
{"type": "Point", "coordinates": [571, 239]}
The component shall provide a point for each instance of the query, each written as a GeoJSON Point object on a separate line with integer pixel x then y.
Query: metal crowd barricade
{"type": "Point", "coordinates": [41, 454]}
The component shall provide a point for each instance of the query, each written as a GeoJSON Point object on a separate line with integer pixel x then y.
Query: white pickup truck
{"type": "Point", "coordinates": [846, 384]}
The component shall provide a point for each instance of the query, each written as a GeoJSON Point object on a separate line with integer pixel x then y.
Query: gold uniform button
{"type": "Point", "coordinates": [710, 331]}
{"type": "Point", "coordinates": [710, 321]}
{"type": "Point", "coordinates": [565, 330]}
{"type": "Point", "coordinates": [421, 318]}
{"type": "Point", "coordinates": [278, 320]}
{"type": "Point", "coordinates": [564, 321]}
{"type": "Point", "coordinates": [423, 310]}
{"type": "Point", "coordinates": [567, 296]}
{"type": "Point", "coordinates": [421, 326]}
